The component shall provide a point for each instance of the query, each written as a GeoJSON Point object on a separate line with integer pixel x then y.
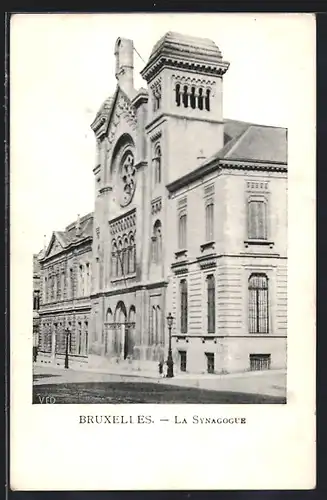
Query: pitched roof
{"type": "Point", "coordinates": [70, 235]}
{"type": "Point", "coordinates": [248, 141]}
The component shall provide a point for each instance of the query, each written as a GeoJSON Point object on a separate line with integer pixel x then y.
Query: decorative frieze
{"type": "Point", "coordinates": [257, 186]}
{"type": "Point", "coordinates": [125, 222]}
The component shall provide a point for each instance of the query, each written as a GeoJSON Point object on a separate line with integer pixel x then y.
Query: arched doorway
{"type": "Point", "coordinates": [122, 328]}
{"type": "Point", "coordinates": [108, 331]}
{"type": "Point", "coordinates": [130, 333]}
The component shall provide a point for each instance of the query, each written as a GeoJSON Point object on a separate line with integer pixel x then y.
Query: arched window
{"type": "Point", "coordinates": [45, 289]}
{"type": "Point", "coordinates": [125, 257]}
{"type": "Point", "coordinates": [79, 337]}
{"type": "Point", "coordinates": [119, 259]}
{"type": "Point", "coordinates": [81, 281]}
{"type": "Point", "coordinates": [211, 303]}
{"type": "Point", "coordinates": [88, 284]}
{"type": "Point", "coordinates": [86, 337]}
{"type": "Point", "coordinates": [178, 94]}
{"type": "Point", "coordinates": [152, 325]}
{"type": "Point", "coordinates": [257, 219]}
{"type": "Point", "coordinates": [185, 96]}
{"type": "Point", "coordinates": [192, 98]}
{"type": "Point", "coordinates": [209, 223]}
{"type": "Point", "coordinates": [131, 254]}
{"type": "Point", "coordinates": [71, 282]}
{"type": "Point", "coordinates": [157, 165]}
{"type": "Point", "coordinates": [200, 99]}
{"type": "Point", "coordinates": [157, 242]}
{"type": "Point", "coordinates": [258, 303]}
{"type": "Point", "coordinates": [183, 305]}
{"type": "Point", "coordinates": [114, 258]}
{"type": "Point", "coordinates": [182, 228]}
{"type": "Point", "coordinates": [207, 103]}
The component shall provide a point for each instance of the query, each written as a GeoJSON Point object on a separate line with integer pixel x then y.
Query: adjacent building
{"type": "Point", "coordinates": [190, 217]}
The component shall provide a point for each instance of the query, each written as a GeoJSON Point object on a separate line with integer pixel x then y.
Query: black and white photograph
{"type": "Point", "coordinates": [152, 170]}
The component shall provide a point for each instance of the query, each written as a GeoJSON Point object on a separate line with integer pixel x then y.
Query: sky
{"type": "Point", "coordinates": [62, 69]}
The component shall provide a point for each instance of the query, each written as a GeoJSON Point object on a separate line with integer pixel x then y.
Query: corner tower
{"type": "Point", "coordinates": [184, 76]}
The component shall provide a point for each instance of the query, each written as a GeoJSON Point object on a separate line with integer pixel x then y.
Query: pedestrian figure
{"type": "Point", "coordinates": [160, 368]}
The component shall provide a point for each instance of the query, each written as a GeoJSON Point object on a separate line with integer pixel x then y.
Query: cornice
{"type": "Point", "coordinates": [221, 164]}
{"type": "Point", "coordinates": [218, 68]}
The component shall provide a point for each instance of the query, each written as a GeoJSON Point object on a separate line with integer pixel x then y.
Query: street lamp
{"type": "Point", "coordinates": [170, 362]}
{"type": "Point", "coordinates": [66, 353]}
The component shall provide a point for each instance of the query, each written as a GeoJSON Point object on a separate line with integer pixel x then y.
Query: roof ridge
{"type": "Point", "coordinates": [254, 124]}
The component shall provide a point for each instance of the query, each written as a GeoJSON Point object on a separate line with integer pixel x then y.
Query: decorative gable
{"type": "Point", "coordinates": [55, 247]}
{"type": "Point", "coordinates": [122, 110]}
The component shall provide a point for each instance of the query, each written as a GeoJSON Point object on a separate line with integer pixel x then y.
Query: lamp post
{"type": "Point", "coordinates": [170, 362]}
{"type": "Point", "coordinates": [66, 353]}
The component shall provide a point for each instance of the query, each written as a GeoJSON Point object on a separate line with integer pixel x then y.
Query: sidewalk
{"type": "Point", "coordinates": [272, 382]}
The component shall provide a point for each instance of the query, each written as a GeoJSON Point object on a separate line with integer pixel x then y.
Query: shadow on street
{"type": "Point", "coordinates": [140, 392]}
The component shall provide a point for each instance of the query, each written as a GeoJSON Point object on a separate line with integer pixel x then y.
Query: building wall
{"type": "Point", "coordinates": [231, 262]}
{"type": "Point", "coordinates": [70, 309]}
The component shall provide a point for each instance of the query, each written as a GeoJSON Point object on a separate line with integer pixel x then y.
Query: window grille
{"type": "Point", "coordinates": [258, 304]}
{"type": "Point", "coordinates": [259, 362]}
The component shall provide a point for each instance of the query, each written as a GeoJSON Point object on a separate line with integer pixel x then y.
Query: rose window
{"type": "Point", "coordinates": [127, 178]}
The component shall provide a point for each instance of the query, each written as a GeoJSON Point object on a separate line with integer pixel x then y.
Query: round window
{"type": "Point", "coordinates": [127, 178]}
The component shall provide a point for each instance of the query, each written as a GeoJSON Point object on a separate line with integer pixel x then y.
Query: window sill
{"type": "Point", "coordinates": [123, 278]}
{"type": "Point", "coordinates": [259, 242]}
{"type": "Point", "coordinates": [208, 245]}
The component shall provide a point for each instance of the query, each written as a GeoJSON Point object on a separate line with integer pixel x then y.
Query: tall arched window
{"type": "Point", "coordinates": [45, 294]}
{"type": "Point", "coordinates": [157, 242]}
{"type": "Point", "coordinates": [258, 303]}
{"type": "Point", "coordinates": [157, 165]}
{"type": "Point", "coordinates": [178, 94]}
{"type": "Point", "coordinates": [182, 228]}
{"type": "Point", "coordinates": [152, 325]}
{"type": "Point", "coordinates": [125, 257]}
{"type": "Point", "coordinates": [211, 304]}
{"type": "Point", "coordinates": [86, 337]}
{"type": "Point", "coordinates": [185, 96]}
{"type": "Point", "coordinates": [209, 223]}
{"type": "Point", "coordinates": [119, 258]}
{"type": "Point", "coordinates": [183, 305]}
{"type": "Point", "coordinates": [192, 98]}
{"type": "Point", "coordinates": [131, 254]}
{"type": "Point", "coordinates": [257, 219]}
{"type": "Point", "coordinates": [207, 100]}
{"type": "Point", "coordinates": [71, 282]}
{"type": "Point", "coordinates": [79, 337]}
{"type": "Point", "coordinates": [114, 259]}
{"type": "Point", "coordinates": [200, 99]}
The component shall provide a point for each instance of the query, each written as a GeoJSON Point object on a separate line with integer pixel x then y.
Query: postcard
{"type": "Point", "coordinates": [162, 251]}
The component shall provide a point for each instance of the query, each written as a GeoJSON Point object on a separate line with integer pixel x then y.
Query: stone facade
{"type": "Point", "coordinates": [190, 218]}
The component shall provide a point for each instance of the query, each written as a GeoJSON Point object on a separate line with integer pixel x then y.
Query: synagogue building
{"type": "Point", "coordinates": [190, 218]}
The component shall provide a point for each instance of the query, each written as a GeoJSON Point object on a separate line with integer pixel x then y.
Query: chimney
{"type": "Point", "coordinates": [124, 53]}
